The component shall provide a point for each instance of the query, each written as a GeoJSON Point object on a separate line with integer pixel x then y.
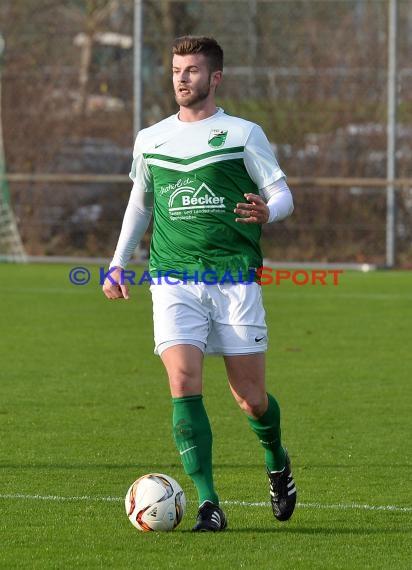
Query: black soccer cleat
{"type": "Point", "coordinates": [210, 518]}
{"type": "Point", "coordinates": [282, 490]}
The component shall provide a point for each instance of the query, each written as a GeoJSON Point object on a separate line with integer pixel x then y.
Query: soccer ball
{"type": "Point", "coordinates": [155, 502]}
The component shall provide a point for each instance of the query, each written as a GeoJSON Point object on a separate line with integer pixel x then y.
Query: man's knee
{"type": "Point", "coordinates": [254, 405]}
{"type": "Point", "coordinates": [184, 382]}
{"type": "Point", "coordinates": [183, 364]}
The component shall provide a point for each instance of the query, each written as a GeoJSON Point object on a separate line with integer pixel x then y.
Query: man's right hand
{"type": "Point", "coordinates": [114, 288]}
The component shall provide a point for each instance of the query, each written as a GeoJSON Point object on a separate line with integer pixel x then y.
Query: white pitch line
{"type": "Point", "coordinates": [58, 498]}
{"type": "Point", "coordinates": [338, 506]}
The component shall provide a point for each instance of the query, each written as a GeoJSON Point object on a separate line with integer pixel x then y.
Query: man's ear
{"type": "Point", "coordinates": [216, 78]}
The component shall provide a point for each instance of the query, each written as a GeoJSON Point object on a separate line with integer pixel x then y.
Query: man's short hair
{"type": "Point", "coordinates": [186, 45]}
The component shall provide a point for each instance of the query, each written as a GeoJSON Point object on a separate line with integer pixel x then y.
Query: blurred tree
{"type": "Point", "coordinates": [90, 17]}
{"type": "Point", "coordinates": [164, 21]}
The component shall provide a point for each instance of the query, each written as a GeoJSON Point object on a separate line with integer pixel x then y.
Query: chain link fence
{"type": "Point", "coordinates": [313, 74]}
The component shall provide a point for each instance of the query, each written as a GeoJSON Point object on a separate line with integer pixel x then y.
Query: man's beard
{"type": "Point", "coordinates": [194, 98]}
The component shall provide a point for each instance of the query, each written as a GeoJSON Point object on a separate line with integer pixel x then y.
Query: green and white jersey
{"type": "Point", "coordinates": [198, 172]}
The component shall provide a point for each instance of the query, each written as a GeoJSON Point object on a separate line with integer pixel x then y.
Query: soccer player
{"type": "Point", "coordinates": [210, 181]}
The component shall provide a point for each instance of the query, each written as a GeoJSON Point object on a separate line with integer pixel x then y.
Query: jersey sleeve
{"type": "Point", "coordinates": [260, 160]}
{"type": "Point", "coordinates": [139, 172]}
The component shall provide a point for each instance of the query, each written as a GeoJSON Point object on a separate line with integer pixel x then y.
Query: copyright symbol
{"type": "Point", "coordinates": [79, 275]}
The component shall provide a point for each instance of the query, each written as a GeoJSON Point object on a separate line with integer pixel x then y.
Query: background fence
{"type": "Point", "coordinates": [312, 73]}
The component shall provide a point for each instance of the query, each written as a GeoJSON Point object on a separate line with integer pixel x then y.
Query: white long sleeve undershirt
{"type": "Point", "coordinates": [139, 211]}
{"type": "Point", "coordinates": [278, 199]}
{"type": "Point", "coordinates": [135, 223]}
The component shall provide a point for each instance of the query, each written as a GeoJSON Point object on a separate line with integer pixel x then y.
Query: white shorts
{"type": "Point", "coordinates": [222, 319]}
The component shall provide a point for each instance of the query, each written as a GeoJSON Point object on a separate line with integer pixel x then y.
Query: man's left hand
{"type": "Point", "coordinates": [254, 212]}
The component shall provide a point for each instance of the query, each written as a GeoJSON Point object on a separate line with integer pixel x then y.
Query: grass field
{"type": "Point", "coordinates": [85, 410]}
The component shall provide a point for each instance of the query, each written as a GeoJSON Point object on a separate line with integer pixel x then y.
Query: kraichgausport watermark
{"type": "Point", "coordinates": [79, 275]}
{"type": "Point", "coordinates": [262, 276]}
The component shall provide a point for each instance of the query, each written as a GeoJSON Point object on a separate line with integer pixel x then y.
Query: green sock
{"type": "Point", "coordinates": [193, 437]}
{"type": "Point", "coordinates": [267, 428]}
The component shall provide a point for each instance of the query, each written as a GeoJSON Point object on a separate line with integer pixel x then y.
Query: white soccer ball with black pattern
{"type": "Point", "coordinates": [155, 502]}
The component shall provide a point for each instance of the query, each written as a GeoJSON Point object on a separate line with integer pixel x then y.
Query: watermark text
{"type": "Point", "coordinates": [262, 276]}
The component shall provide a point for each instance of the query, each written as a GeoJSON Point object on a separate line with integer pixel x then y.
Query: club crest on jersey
{"type": "Point", "coordinates": [217, 138]}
